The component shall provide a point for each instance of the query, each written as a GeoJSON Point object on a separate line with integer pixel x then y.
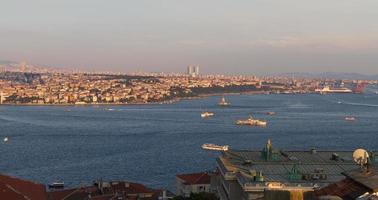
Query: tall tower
{"type": "Point", "coordinates": [190, 70]}
{"type": "Point", "coordinates": [196, 70]}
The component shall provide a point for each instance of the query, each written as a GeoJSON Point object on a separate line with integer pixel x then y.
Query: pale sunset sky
{"type": "Point", "coordinates": [223, 36]}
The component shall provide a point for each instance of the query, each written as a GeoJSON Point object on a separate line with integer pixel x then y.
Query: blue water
{"type": "Point", "coordinates": [152, 143]}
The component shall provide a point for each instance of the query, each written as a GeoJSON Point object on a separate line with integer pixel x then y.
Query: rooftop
{"type": "Point", "coordinates": [17, 189]}
{"type": "Point", "coordinates": [195, 178]}
{"type": "Point", "coordinates": [271, 168]}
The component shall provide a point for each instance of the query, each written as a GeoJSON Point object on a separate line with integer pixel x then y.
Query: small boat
{"type": "Point", "coordinates": [6, 140]}
{"type": "Point", "coordinates": [223, 102]}
{"type": "Point", "coordinates": [207, 114]}
{"type": "Point", "coordinates": [270, 113]}
{"type": "Point", "coordinates": [57, 185]}
{"type": "Point", "coordinates": [350, 119]}
{"type": "Point", "coordinates": [215, 147]}
{"type": "Point", "coordinates": [251, 122]}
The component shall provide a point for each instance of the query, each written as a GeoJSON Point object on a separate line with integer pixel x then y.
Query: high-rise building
{"type": "Point", "coordinates": [190, 70]}
{"type": "Point", "coordinates": [196, 70]}
{"type": "Point", "coordinates": [193, 71]}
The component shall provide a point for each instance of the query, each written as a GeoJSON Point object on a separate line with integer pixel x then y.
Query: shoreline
{"type": "Point", "coordinates": [174, 100]}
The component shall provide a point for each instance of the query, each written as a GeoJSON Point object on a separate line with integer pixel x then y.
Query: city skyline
{"type": "Point", "coordinates": [247, 37]}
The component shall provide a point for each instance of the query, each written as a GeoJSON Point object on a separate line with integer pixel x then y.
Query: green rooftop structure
{"type": "Point", "coordinates": [251, 174]}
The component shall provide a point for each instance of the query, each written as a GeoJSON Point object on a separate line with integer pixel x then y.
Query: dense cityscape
{"type": "Point", "coordinates": [189, 100]}
{"type": "Point", "coordinates": [23, 84]}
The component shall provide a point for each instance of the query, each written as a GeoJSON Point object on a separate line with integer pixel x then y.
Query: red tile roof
{"type": "Point", "coordinates": [16, 189]}
{"type": "Point", "coordinates": [117, 188]}
{"type": "Point", "coordinates": [195, 178]}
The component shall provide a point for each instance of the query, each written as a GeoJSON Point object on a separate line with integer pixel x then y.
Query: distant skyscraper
{"type": "Point", "coordinates": [196, 70]}
{"type": "Point", "coordinates": [190, 70]}
{"type": "Point", "coordinates": [193, 71]}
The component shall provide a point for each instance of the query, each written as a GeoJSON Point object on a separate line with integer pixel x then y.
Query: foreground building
{"type": "Point", "coordinates": [187, 184]}
{"type": "Point", "coordinates": [358, 184]}
{"type": "Point", "coordinates": [12, 188]}
{"type": "Point", "coordinates": [118, 190]}
{"type": "Point", "coordinates": [274, 174]}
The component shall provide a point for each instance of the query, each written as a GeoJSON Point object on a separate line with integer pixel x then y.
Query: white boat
{"type": "Point", "coordinates": [327, 89]}
{"type": "Point", "coordinates": [270, 113]}
{"type": "Point", "coordinates": [350, 118]}
{"type": "Point", "coordinates": [251, 122]}
{"type": "Point", "coordinates": [57, 185]}
{"type": "Point", "coordinates": [207, 114]}
{"type": "Point", "coordinates": [6, 140]}
{"type": "Point", "coordinates": [215, 147]}
{"type": "Point", "coordinates": [223, 102]}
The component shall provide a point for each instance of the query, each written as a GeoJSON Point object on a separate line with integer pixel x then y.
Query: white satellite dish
{"type": "Point", "coordinates": [361, 156]}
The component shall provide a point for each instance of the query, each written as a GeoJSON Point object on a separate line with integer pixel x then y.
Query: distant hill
{"type": "Point", "coordinates": [6, 62]}
{"type": "Point", "coordinates": [332, 75]}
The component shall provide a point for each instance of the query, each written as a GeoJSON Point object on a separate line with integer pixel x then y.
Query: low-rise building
{"type": "Point", "coordinates": [192, 183]}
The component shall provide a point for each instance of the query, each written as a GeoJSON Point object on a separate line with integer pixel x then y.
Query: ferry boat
{"type": "Point", "coordinates": [57, 185]}
{"type": "Point", "coordinates": [327, 89]}
{"type": "Point", "coordinates": [207, 114]}
{"type": "Point", "coordinates": [251, 122]}
{"type": "Point", "coordinates": [215, 147]}
{"type": "Point", "coordinates": [350, 118]}
{"type": "Point", "coordinates": [223, 102]}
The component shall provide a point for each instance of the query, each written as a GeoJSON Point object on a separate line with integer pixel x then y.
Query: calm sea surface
{"type": "Point", "coordinates": [152, 143]}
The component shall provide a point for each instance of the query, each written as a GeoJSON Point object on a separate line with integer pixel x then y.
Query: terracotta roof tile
{"type": "Point", "coordinates": [26, 189]}
{"type": "Point", "coordinates": [195, 178]}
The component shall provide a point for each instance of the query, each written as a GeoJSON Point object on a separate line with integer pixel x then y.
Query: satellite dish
{"type": "Point", "coordinates": [361, 156]}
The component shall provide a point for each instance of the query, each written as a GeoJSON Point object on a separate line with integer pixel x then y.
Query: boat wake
{"type": "Point", "coordinates": [358, 104]}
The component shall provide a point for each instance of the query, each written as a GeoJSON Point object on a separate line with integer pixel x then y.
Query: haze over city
{"type": "Point", "coordinates": [260, 36]}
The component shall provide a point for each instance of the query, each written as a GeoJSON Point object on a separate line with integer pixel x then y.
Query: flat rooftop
{"type": "Point", "coordinates": [286, 169]}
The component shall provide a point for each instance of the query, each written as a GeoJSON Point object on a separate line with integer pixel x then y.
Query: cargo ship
{"type": "Point", "coordinates": [215, 147]}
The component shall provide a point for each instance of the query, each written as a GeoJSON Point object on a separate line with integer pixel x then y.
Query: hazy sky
{"type": "Point", "coordinates": [225, 36]}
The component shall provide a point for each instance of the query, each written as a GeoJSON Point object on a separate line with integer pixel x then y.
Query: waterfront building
{"type": "Point", "coordinates": [192, 183]}
{"type": "Point", "coordinates": [248, 174]}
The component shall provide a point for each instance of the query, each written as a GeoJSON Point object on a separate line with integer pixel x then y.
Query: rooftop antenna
{"type": "Point", "coordinates": [361, 157]}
